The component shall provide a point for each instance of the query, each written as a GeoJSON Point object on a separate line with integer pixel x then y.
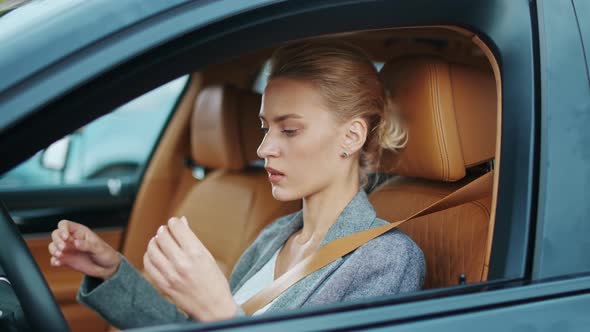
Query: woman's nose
{"type": "Point", "coordinates": [267, 148]}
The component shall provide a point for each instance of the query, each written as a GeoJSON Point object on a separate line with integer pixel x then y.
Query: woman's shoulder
{"type": "Point", "coordinates": [394, 247]}
{"type": "Point", "coordinates": [391, 263]}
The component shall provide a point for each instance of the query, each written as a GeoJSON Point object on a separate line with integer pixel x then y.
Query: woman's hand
{"type": "Point", "coordinates": [78, 247]}
{"type": "Point", "coordinates": [184, 270]}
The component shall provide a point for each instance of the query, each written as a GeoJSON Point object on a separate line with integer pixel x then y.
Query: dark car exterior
{"type": "Point", "coordinates": [539, 265]}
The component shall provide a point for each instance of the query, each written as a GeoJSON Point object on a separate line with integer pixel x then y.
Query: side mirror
{"type": "Point", "coordinates": [56, 155]}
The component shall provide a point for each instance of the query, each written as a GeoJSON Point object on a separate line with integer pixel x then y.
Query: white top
{"type": "Point", "coordinates": [264, 277]}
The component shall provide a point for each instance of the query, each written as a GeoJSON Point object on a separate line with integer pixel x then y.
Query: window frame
{"type": "Point", "coordinates": [562, 228]}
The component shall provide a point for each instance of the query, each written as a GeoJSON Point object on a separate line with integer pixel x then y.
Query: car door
{"type": "Point", "coordinates": [90, 176]}
{"type": "Point", "coordinates": [510, 28]}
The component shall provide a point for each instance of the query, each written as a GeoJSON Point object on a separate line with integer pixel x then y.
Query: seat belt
{"type": "Point", "coordinates": [476, 189]}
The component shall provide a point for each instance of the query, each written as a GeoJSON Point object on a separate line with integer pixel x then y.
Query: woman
{"type": "Point", "coordinates": [325, 117]}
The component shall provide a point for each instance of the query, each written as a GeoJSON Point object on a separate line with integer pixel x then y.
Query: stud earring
{"type": "Point", "coordinates": [344, 154]}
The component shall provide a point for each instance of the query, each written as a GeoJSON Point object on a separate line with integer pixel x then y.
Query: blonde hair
{"type": "Point", "coordinates": [350, 86]}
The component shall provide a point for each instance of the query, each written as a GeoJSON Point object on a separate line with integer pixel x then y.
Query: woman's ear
{"type": "Point", "coordinates": [355, 135]}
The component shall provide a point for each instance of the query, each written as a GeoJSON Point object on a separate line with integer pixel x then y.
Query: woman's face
{"type": "Point", "coordinates": [302, 143]}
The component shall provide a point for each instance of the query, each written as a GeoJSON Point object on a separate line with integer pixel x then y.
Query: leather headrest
{"type": "Point", "coordinates": [225, 129]}
{"type": "Point", "coordinates": [449, 111]}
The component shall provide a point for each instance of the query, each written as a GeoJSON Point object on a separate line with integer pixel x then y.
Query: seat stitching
{"type": "Point", "coordinates": [447, 277]}
{"type": "Point", "coordinates": [440, 127]}
{"type": "Point", "coordinates": [455, 118]}
{"type": "Point", "coordinates": [435, 118]}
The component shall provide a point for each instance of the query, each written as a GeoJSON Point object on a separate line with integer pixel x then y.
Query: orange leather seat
{"type": "Point", "coordinates": [231, 205]}
{"type": "Point", "coordinates": [450, 114]}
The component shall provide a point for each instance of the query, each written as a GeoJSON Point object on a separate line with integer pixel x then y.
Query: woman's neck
{"type": "Point", "coordinates": [321, 210]}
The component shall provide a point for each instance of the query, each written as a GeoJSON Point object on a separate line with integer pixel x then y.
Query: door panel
{"type": "Point", "coordinates": [64, 282]}
{"type": "Point", "coordinates": [95, 203]}
{"type": "Point", "coordinates": [80, 318]}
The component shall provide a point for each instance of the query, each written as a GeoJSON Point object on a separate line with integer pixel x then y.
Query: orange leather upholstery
{"type": "Point", "coordinates": [453, 241]}
{"type": "Point", "coordinates": [231, 205]}
{"type": "Point", "coordinates": [449, 110]}
{"type": "Point", "coordinates": [225, 130]}
{"type": "Point", "coordinates": [450, 113]}
{"type": "Point", "coordinates": [228, 211]}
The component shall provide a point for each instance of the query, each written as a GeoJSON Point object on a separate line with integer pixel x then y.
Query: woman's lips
{"type": "Point", "coordinates": [274, 176]}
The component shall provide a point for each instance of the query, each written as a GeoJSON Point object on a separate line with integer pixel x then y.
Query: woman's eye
{"type": "Point", "coordinates": [289, 132]}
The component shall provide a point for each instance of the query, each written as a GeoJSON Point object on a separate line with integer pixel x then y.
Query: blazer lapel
{"type": "Point", "coordinates": [357, 216]}
{"type": "Point", "coordinates": [287, 229]}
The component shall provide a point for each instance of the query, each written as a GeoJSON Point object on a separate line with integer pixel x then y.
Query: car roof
{"type": "Point", "coordinates": [42, 33]}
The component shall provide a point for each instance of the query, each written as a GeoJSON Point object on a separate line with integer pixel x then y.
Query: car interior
{"type": "Point", "coordinates": [446, 85]}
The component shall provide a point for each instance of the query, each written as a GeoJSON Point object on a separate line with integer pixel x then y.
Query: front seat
{"type": "Point", "coordinates": [231, 205]}
{"type": "Point", "coordinates": [450, 113]}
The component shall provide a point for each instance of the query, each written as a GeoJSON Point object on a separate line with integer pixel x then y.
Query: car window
{"type": "Point", "coordinates": [113, 146]}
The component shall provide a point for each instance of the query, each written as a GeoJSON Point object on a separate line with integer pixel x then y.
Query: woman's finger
{"type": "Point", "coordinates": [168, 245]}
{"type": "Point", "coordinates": [82, 238]}
{"type": "Point", "coordinates": [54, 251]}
{"type": "Point", "coordinates": [68, 232]}
{"type": "Point", "coordinates": [64, 228]}
{"type": "Point", "coordinates": [154, 274]}
{"type": "Point", "coordinates": [58, 240]}
{"type": "Point", "coordinates": [190, 242]}
{"type": "Point", "coordinates": [160, 262]}
{"type": "Point", "coordinates": [83, 245]}
{"type": "Point", "coordinates": [184, 235]}
{"type": "Point", "coordinates": [78, 231]}
{"type": "Point", "coordinates": [54, 261]}
{"type": "Point", "coordinates": [80, 262]}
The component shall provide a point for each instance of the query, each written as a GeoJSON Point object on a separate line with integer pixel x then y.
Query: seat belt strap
{"type": "Point", "coordinates": [476, 189]}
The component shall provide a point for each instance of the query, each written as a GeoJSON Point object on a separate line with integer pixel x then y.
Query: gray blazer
{"type": "Point", "coordinates": [389, 264]}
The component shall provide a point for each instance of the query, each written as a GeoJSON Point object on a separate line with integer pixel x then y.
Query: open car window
{"type": "Point", "coordinates": [114, 146]}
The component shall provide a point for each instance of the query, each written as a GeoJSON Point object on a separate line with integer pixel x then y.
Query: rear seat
{"type": "Point", "coordinates": [231, 205]}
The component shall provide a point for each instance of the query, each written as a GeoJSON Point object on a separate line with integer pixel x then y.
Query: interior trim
{"type": "Point", "coordinates": [496, 68]}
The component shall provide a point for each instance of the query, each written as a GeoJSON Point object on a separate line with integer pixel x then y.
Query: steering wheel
{"type": "Point", "coordinates": [36, 300]}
